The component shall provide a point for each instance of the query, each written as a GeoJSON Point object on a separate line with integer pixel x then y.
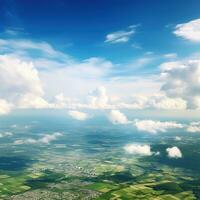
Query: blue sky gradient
{"type": "Point", "coordinates": [79, 27]}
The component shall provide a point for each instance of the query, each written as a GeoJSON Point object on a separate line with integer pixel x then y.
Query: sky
{"type": "Point", "coordinates": [92, 54]}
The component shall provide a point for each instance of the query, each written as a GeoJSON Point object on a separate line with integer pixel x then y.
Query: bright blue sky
{"type": "Point", "coordinates": [79, 27]}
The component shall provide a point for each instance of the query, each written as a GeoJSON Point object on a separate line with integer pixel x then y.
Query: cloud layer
{"type": "Point", "coordinates": [33, 74]}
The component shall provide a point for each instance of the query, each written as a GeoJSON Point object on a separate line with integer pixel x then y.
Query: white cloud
{"type": "Point", "coordinates": [132, 102]}
{"type": "Point", "coordinates": [78, 115]}
{"type": "Point", "coordinates": [25, 141]}
{"type": "Point", "coordinates": [31, 141]}
{"type": "Point", "coordinates": [5, 134]}
{"type": "Point", "coordinates": [5, 107]}
{"type": "Point", "coordinates": [24, 46]}
{"type": "Point", "coordinates": [18, 77]}
{"type": "Point", "coordinates": [174, 152]}
{"type": "Point", "coordinates": [136, 46]}
{"type": "Point", "coordinates": [182, 80]}
{"type": "Point", "coordinates": [160, 101]}
{"type": "Point", "coordinates": [157, 153]}
{"type": "Point", "coordinates": [170, 55]}
{"type": "Point", "coordinates": [98, 98]}
{"type": "Point", "coordinates": [193, 127]}
{"type": "Point", "coordinates": [46, 139]}
{"type": "Point", "coordinates": [76, 80]}
{"type": "Point", "coordinates": [121, 36]}
{"type": "Point", "coordinates": [138, 149]}
{"type": "Point", "coordinates": [18, 142]}
{"type": "Point", "coordinates": [117, 117]}
{"type": "Point", "coordinates": [152, 101]}
{"type": "Point", "coordinates": [61, 101]}
{"type": "Point", "coordinates": [155, 126]}
{"type": "Point", "coordinates": [20, 83]}
{"type": "Point", "coordinates": [140, 62]}
{"type": "Point", "coordinates": [33, 84]}
{"type": "Point", "coordinates": [11, 32]}
{"type": "Point", "coordinates": [189, 31]}
{"type": "Point", "coordinates": [177, 138]}
{"type": "Point", "coordinates": [29, 86]}
{"type": "Point", "coordinates": [33, 101]}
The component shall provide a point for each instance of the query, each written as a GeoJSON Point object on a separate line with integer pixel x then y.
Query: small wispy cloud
{"type": "Point", "coordinates": [170, 55]}
{"type": "Point", "coordinates": [121, 36]}
{"type": "Point", "coordinates": [136, 46]}
{"type": "Point", "coordinates": [14, 31]}
{"type": "Point", "coordinates": [25, 46]}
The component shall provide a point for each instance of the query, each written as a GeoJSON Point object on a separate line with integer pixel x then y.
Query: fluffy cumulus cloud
{"type": "Point", "coordinates": [174, 152]}
{"type": "Point", "coordinates": [193, 127]}
{"type": "Point", "coordinates": [189, 31]}
{"type": "Point", "coordinates": [46, 139]}
{"type": "Point", "coordinates": [78, 115]}
{"type": "Point", "coordinates": [182, 80]}
{"type": "Point", "coordinates": [18, 77]}
{"type": "Point", "coordinates": [138, 149]}
{"type": "Point", "coordinates": [117, 117]}
{"type": "Point", "coordinates": [20, 84]}
{"type": "Point", "coordinates": [155, 126]}
{"type": "Point", "coordinates": [121, 36]}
